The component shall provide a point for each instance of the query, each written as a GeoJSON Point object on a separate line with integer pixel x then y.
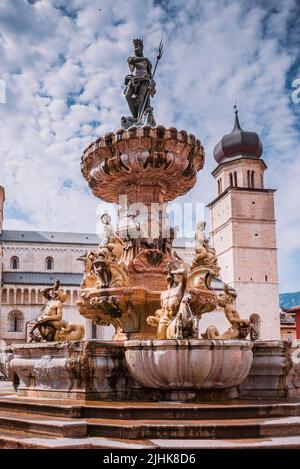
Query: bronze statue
{"type": "Point", "coordinates": [139, 87]}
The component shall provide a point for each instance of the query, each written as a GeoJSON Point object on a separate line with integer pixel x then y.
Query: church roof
{"type": "Point", "coordinates": [60, 237]}
{"type": "Point", "coordinates": [238, 142]}
{"type": "Point", "coordinates": [41, 278]}
{"type": "Point", "coordinates": [55, 237]}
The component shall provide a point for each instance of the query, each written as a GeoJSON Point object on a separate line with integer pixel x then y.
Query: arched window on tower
{"type": "Point", "coordinates": [49, 263]}
{"type": "Point", "coordinates": [230, 180]}
{"type": "Point", "coordinates": [219, 186]}
{"type": "Point", "coordinates": [15, 321]}
{"type": "Point", "coordinates": [252, 179]}
{"type": "Point", "coordinates": [14, 262]}
{"type": "Point", "coordinates": [235, 179]}
{"type": "Point", "coordinates": [248, 179]}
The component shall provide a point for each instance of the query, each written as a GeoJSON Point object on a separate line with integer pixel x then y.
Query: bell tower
{"type": "Point", "coordinates": [243, 228]}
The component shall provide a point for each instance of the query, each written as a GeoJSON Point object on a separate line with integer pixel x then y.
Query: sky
{"type": "Point", "coordinates": [63, 64]}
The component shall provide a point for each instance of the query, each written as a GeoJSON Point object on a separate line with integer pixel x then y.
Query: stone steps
{"type": "Point", "coordinates": [45, 425]}
{"type": "Point", "coordinates": [196, 411]}
{"type": "Point", "coordinates": [10, 439]}
{"type": "Point", "coordinates": [194, 429]}
{"type": "Point", "coordinates": [150, 429]}
{"type": "Point", "coordinates": [32, 423]}
{"type": "Point", "coordinates": [286, 442]}
{"type": "Point", "coordinates": [163, 411]}
{"type": "Point", "coordinates": [40, 407]}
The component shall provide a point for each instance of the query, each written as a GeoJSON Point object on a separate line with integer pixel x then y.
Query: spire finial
{"type": "Point", "coordinates": [236, 120]}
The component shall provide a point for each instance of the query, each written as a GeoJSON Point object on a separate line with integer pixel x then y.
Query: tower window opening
{"type": "Point", "coordinates": [250, 179]}
{"type": "Point", "coordinates": [235, 179]}
{"type": "Point", "coordinates": [266, 278]}
{"type": "Point", "coordinates": [230, 180]}
{"type": "Point", "coordinates": [219, 186]}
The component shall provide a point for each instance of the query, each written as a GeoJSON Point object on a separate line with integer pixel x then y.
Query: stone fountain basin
{"type": "Point", "coordinates": [189, 364]}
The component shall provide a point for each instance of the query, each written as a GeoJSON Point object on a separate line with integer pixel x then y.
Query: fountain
{"type": "Point", "coordinates": [136, 282]}
{"type": "Point", "coordinates": [166, 373]}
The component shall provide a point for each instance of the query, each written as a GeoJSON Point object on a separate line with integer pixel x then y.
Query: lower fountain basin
{"type": "Point", "coordinates": [189, 364]}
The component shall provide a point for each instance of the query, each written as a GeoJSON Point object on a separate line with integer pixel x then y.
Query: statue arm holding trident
{"type": "Point", "coordinates": [139, 86]}
{"type": "Point", "coordinates": [150, 87]}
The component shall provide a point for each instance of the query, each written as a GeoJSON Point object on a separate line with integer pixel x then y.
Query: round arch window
{"type": "Point", "coordinates": [49, 263]}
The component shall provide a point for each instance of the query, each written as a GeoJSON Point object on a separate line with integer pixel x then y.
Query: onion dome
{"type": "Point", "coordinates": [238, 142]}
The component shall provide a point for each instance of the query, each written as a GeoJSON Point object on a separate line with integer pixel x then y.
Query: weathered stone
{"type": "Point", "coordinates": [293, 378]}
{"type": "Point", "coordinates": [270, 368]}
{"type": "Point", "coordinates": [171, 165]}
{"type": "Point", "coordinates": [84, 370]}
{"type": "Point", "coordinates": [189, 364]}
{"type": "Point", "coordinates": [6, 355]}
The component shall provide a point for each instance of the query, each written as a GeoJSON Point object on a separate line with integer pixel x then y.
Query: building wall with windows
{"type": "Point", "coordinates": [32, 260]}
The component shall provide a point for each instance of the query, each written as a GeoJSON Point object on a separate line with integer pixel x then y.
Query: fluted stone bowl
{"type": "Point", "coordinates": [189, 364]}
{"type": "Point", "coordinates": [148, 159]}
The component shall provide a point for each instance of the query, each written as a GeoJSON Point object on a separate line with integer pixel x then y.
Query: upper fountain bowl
{"type": "Point", "coordinates": [146, 164]}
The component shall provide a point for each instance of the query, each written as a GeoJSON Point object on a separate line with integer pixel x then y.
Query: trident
{"type": "Point", "coordinates": [158, 57]}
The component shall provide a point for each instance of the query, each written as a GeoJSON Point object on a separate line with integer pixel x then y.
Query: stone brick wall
{"type": "Point", "coordinates": [32, 257]}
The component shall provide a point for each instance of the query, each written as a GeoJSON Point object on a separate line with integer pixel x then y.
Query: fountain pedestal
{"type": "Point", "coordinates": [133, 371]}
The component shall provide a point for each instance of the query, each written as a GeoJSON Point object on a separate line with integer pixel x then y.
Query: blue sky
{"type": "Point", "coordinates": [64, 62]}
